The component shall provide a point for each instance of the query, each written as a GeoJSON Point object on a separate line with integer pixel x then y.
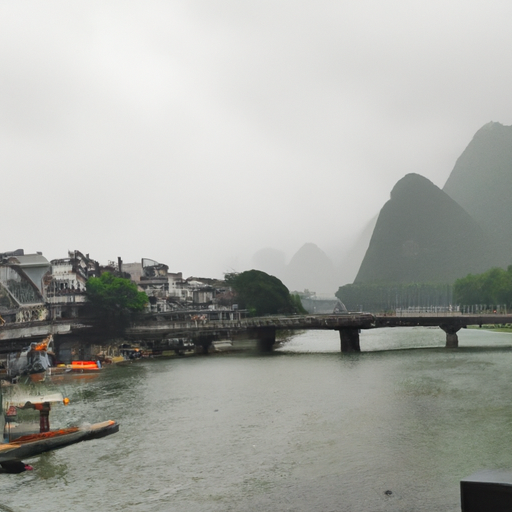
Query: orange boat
{"type": "Point", "coordinates": [75, 367]}
{"type": "Point", "coordinates": [85, 365]}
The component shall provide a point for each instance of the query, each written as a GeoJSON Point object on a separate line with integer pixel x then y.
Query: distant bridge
{"type": "Point", "coordinates": [263, 329]}
{"type": "Point", "coordinates": [203, 329]}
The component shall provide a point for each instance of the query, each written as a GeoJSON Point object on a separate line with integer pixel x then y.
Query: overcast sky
{"type": "Point", "coordinates": [198, 132]}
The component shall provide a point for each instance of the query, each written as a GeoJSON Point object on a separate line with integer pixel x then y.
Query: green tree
{"type": "Point", "coordinates": [377, 296]}
{"type": "Point", "coordinates": [114, 298]}
{"type": "Point", "coordinates": [299, 308]}
{"type": "Point", "coordinates": [490, 288]}
{"type": "Point", "coordinates": [263, 294]}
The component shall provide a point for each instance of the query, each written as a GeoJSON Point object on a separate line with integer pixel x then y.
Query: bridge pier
{"type": "Point", "coordinates": [204, 341]}
{"type": "Point", "coordinates": [349, 339]}
{"type": "Point", "coordinates": [265, 337]}
{"type": "Point", "coordinates": [452, 340]}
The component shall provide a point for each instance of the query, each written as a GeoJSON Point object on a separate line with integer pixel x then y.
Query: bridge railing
{"type": "Point", "coordinates": [275, 322]}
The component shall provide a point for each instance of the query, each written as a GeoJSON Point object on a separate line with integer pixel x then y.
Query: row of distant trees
{"type": "Point", "coordinates": [377, 297]}
{"type": "Point", "coordinates": [492, 287]}
{"type": "Point", "coordinates": [490, 290]}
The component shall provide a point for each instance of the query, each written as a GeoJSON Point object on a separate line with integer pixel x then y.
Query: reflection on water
{"type": "Point", "coordinates": [49, 468]}
{"type": "Point", "coordinates": [302, 429]}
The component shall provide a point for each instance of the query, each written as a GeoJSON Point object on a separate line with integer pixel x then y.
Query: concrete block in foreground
{"type": "Point", "coordinates": [489, 490]}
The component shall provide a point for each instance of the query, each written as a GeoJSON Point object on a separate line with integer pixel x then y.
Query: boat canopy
{"type": "Point", "coordinates": [20, 401]}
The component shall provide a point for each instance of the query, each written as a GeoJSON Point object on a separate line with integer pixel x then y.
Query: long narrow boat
{"type": "Point", "coordinates": [20, 442]}
{"type": "Point", "coordinates": [30, 445]}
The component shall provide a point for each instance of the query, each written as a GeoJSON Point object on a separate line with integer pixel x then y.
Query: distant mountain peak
{"type": "Point", "coordinates": [411, 183]}
{"type": "Point", "coordinates": [490, 124]}
{"type": "Point", "coordinates": [422, 235]}
{"type": "Point", "coordinates": [310, 268]}
{"type": "Point", "coordinates": [481, 182]}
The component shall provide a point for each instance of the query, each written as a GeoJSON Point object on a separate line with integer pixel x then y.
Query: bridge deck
{"type": "Point", "coordinates": [312, 322]}
{"type": "Point", "coordinates": [295, 322]}
{"type": "Point", "coordinates": [161, 326]}
{"type": "Point", "coordinates": [442, 319]}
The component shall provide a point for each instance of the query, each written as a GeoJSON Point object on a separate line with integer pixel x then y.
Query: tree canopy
{"type": "Point", "coordinates": [491, 288]}
{"type": "Point", "coordinates": [114, 294]}
{"type": "Point", "coordinates": [378, 297]}
{"type": "Point", "coordinates": [263, 294]}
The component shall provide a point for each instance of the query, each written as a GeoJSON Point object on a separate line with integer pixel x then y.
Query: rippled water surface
{"type": "Point", "coordinates": [302, 429]}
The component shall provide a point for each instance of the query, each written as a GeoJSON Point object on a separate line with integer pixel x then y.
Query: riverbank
{"type": "Point", "coordinates": [495, 328]}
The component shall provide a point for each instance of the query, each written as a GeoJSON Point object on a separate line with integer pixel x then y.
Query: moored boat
{"type": "Point", "coordinates": [77, 367]}
{"type": "Point", "coordinates": [170, 347]}
{"type": "Point", "coordinates": [34, 361]}
{"type": "Point", "coordinates": [84, 366]}
{"type": "Point", "coordinates": [29, 438]}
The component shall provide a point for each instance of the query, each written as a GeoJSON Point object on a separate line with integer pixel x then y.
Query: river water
{"type": "Point", "coordinates": [304, 428]}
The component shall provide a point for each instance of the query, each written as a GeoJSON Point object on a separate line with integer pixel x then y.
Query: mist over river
{"type": "Point", "coordinates": [304, 428]}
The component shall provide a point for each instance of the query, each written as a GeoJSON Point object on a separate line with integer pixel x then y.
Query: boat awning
{"type": "Point", "coordinates": [20, 401]}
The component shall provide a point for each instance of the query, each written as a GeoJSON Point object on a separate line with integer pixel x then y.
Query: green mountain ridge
{"type": "Point", "coordinates": [481, 182]}
{"type": "Point", "coordinates": [423, 235]}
